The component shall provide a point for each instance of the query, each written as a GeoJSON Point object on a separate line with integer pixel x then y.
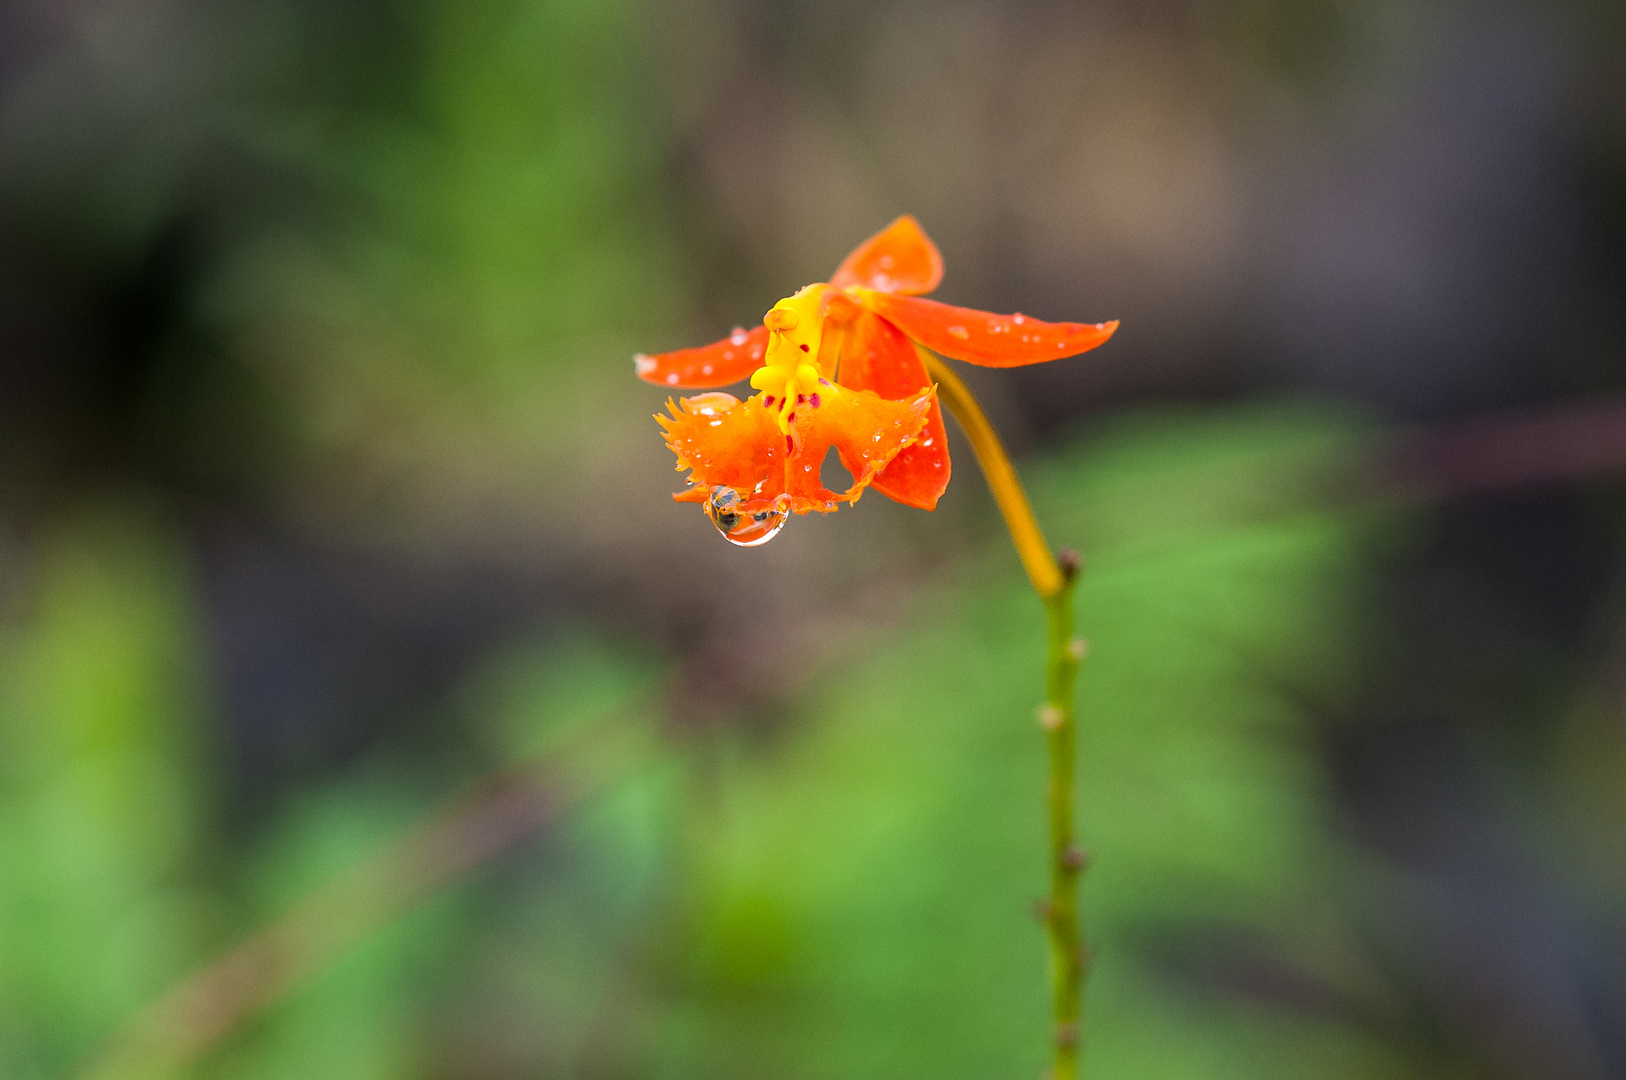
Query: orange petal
{"type": "Point", "coordinates": [719, 364]}
{"type": "Point", "coordinates": [876, 356]}
{"type": "Point", "coordinates": [867, 431]}
{"type": "Point", "coordinates": [723, 440]}
{"type": "Point", "coordinates": [898, 259]}
{"type": "Point", "coordinates": [982, 337]}
{"type": "Point", "coordinates": [919, 475]}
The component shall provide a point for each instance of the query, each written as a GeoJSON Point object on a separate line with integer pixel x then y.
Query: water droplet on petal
{"type": "Point", "coordinates": [742, 527]}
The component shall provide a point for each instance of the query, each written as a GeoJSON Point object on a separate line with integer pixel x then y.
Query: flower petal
{"type": "Point", "coordinates": [981, 337]}
{"type": "Point", "coordinates": [897, 259]}
{"type": "Point", "coordinates": [719, 364]}
{"type": "Point", "coordinates": [876, 356]}
{"type": "Point", "coordinates": [867, 430]}
{"type": "Point", "coordinates": [919, 475]}
{"type": "Point", "coordinates": [723, 440]}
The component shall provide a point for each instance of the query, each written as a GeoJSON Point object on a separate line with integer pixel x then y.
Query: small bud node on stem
{"type": "Point", "coordinates": [1066, 1034]}
{"type": "Point", "coordinates": [1078, 648]}
{"type": "Point", "coordinates": [1075, 858]}
{"type": "Point", "coordinates": [1049, 717]}
{"type": "Point", "coordinates": [1069, 560]}
{"type": "Point", "coordinates": [1042, 910]}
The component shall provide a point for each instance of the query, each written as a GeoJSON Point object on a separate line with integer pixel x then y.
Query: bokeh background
{"type": "Point", "coordinates": [368, 711]}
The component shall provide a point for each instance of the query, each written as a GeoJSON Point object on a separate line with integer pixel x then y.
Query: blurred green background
{"type": "Point", "coordinates": [344, 612]}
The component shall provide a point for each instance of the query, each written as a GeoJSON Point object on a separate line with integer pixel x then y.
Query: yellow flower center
{"type": "Point", "coordinates": [789, 374]}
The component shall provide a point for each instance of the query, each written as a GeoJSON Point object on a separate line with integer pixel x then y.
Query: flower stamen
{"type": "Point", "coordinates": [796, 324]}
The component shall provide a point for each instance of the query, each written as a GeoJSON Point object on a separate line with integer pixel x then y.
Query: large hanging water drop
{"type": "Point", "coordinates": [744, 527]}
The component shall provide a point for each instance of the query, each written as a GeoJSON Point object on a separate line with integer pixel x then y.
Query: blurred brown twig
{"type": "Point", "coordinates": [501, 812]}
{"type": "Point", "coordinates": [1505, 450]}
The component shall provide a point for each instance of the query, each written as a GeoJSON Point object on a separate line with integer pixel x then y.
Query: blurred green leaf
{"type": "Point", "coordinates": [104, 817]}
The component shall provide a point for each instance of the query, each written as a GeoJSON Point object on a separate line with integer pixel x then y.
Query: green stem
{"type": "Point", "coordinates": [1053, 581]}
{"type": "Point", "coordinates": [1068, 956]}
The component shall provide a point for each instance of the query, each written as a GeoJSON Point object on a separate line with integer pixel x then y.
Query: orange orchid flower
{"type": "Point", "coordinates": [836, 365]}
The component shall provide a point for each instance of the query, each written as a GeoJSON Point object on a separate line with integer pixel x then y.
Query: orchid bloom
{"type": "Point", "coordinates": [836, 365]}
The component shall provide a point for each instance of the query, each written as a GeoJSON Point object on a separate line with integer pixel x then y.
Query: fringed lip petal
{"type": "Point", "coordinates": [724, 441]}
{"type": "Point", "coordinates": [868, 432]}
{"type": "Point", "coordinates": [877, 357]}
{"type": "Point", "coordinates": [721, 363]}
{"type": "Point", "coordinates": [982, 337]}
{"type": "Point", "coordinates": [898, 259]}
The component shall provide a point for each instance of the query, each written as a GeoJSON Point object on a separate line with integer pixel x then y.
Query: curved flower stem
{"type": "Point", "coordinates": [1035, 554]}
{"type": "Point", "coordinates": [1053, 581]}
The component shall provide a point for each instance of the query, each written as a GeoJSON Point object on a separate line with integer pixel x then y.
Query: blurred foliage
{"type": "Point", "coordinates": [490, 239]}
{"type": "Point", "coordinates": [104, 837]}
{"type": "Point", "coordinates": [306, 289]}
{"type": "Point", "coordinates": [843, 893]}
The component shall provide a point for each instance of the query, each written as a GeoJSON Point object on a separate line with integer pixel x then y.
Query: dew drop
{"type": "Point", "coordinates": [738, 336]}
{"type": "Point", "coordinates": [740, 526]}
{"type": "Point", "coordinates": [960, 332]}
